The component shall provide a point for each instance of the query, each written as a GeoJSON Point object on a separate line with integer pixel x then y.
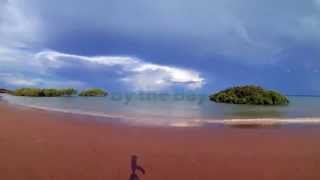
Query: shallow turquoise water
{"type": "Point", "coordinates": [172, 109]}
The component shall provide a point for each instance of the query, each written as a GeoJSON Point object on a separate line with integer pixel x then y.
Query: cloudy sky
{"type": "Point", "coordinates": [161, 45]}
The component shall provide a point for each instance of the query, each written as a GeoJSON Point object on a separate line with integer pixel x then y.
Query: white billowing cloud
{"type": "Point", "coordinates": [19, 80]}
{"type": "Point", "coordinates": [58, 59]}
{"type": "Point", "coordinates": [136, 73]}
{"type": "Point", "coordinates": [20, 32]}
{"type": "Point", "coordinates": [168, 74]}
{"type": "Point", "coordinates": [18, 29]}
{"type": "Point", "coordinates": [35, 69]}
{"type": "Point", "coordinates": [14, 80]}
{"type": "Point", "coordinates": [19, 62]}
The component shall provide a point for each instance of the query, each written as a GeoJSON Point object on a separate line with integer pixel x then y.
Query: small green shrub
{"type": "Point", "coordinates": [93, 92]}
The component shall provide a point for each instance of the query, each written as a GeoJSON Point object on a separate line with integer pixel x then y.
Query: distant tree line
{"type": "Point", "coordinates": [37, 92]}
{"type": "Point", "coordinates": [50, 92]}
{"type": "Point", "coordinates": [249, 94]}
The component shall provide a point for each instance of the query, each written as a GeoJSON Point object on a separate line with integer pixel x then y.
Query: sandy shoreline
{"type": "Point", "coordinates": [45, 145]}
{"type": "Point", "coordinates": [192, 122]}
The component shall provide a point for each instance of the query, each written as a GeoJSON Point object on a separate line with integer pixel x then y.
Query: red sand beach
{"type": "Point", "coordinates": [41, 145]}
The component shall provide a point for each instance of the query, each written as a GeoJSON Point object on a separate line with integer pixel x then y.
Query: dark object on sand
{"type": "Point", "coordinates": [134, 167]}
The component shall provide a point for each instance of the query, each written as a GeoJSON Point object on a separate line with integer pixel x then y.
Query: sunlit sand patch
{"type": "Point", "coordinates": [185, 124]}
{"type": "Point", "coordinates": [256, 123]}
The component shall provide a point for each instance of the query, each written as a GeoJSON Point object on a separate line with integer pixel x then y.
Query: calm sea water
{"type": "Point", "coordinates": [170, 109]}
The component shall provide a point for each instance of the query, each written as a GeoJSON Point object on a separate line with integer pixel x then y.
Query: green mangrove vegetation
{"type": "Point", "coordinates": [38, 92]}
{"type": "Point", "coordinates": [249, 94]}
{"type": "Point", "coordinates": [93, 92]}
{"type": "Point", "coordinates": [50, 92]}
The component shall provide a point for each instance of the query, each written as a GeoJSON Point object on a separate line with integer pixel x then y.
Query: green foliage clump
{"type": "Point", "coordinates": [37, 92]}
{"type": "Point", "coordinates": [93, 92]}
{"type": "Point", "coordinates": [249, 95]}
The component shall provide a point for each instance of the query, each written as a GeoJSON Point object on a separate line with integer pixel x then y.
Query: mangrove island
{"type": "Point", "coordinates": [93, 92]}
{"type": "Point", "coordinates": [249, 94]}
{"type": "Point", "coordinates": [46, 92]}
{"type": "Point", "coordinates": [38, 92]}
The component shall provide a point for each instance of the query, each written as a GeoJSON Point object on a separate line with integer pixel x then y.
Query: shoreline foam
{"type": "Point", "coordinates": [182, 122]}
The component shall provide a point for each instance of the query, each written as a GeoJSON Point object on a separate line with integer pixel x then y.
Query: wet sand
{"type": "Point", "coordinates": [42, 145]}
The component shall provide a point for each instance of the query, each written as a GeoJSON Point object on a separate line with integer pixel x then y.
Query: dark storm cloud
{"type": "Point", "coordinates": [251, 30]}
{"type": "Point", "coordinates": [227, 41]}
